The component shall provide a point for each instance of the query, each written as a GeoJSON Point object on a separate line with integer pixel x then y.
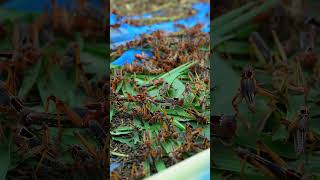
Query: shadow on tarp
{"type": "Point", "coordinates": [127, 32]}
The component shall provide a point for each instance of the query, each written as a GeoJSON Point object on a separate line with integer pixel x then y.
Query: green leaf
{"type": "Point", "coordinates": [94, 64]}
{"type": "Point", "coordinates": [30, 78]}
{"type": "Point", "coordinates": [178, 86]}
{"type": "Point", "coordinates": [135, 137]}
{"type": "Point", "coordinates": [122, 130]}
{"type": "Point", "coordinates": [124, 140]}
{"type": "Point", "coordinates": [5, 156]}
{"type": "Point", "coordinates": [226, 18]}
{"type": "Point", "coordinates": [178, 112]}
{"type": "Point", "coordinates": [170, 78]}
{"type": "Point", "coordinates": [174, 73]}
{"type": "Point", "coordinates": [283, 149]}
{"type": "Point", "coordinates": [58, 84]}
{"type": "Point", "coordinates": [168, 146]}
{"type": "Point", "coordinates": [127, 87]}
{"type": "Point", "coordinates": [295, 103]}
{"type": "Point", "coordinates": [234, 47]}
{"type": "Point", "coordinates": [281, 134]}
{"type": "Point", "coordinates": [218, 40]}
{"type": "Point", "coordinates": [160, 166]}
{"type": "Point", "coordinates": [224, 158]}
{"type": "Point", "coordinates": [225, 90]}
{"type": "Point", "coordinates": [242, 18]}
{"type": "Point", "coordinates": [11, 14]}
{"type": "Point", "coordinates": [146, 168]}
{"type": "Point", "coordinates": [178, 124]}
{"type": "Point", "coordinates": [111, 113]}
{"type": "Point", "coordinates": [96, 49]}
{"type": "Point", "coordinates": [120, 87]}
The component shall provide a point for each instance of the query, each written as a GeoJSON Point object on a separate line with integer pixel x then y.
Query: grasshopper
{"type": "Point", "coordinates": [248, 90]}
{"type": "Point", "coordinates": [274, 170]}
{"type": "Point", "coordinates": [299, 129]}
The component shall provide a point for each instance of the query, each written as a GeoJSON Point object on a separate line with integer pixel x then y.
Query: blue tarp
{"type": "Point", "coordinates": [127, 32]}
{"type": "Point", "coordinates": [128, 56]}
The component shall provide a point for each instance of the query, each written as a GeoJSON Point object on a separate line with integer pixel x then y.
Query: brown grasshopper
{"type": "Point", "coordinates": [164, 90]}
{"type": "Point", "coordinates": [248, 90]}
{"type": "Point", "coordinates": [170, 101]}
{"type": "Point", "coordinates": [224, 127]}
{"type": "Point", "coordinates": [200, 118]}
{"type": "Point", "coordinates": [7, 100]}
{"type": "Point", "coordinates": [274, 170]}
{"type": "Point", "coordinates": [25, 52]}
{"type": "Point", "coordinates": [299, 129]}
{"type": "Point", "coordinates": [285, 76]}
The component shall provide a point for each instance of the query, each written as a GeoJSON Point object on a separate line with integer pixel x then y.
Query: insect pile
{"type": "Point", "coordinates": [160, 103]}
{"type": "Point", "coordinates": [270, 121]}
{"type": "Point", "coordinates": [170, 11]}
{"type": "Point", "coordinates": [54, 95]}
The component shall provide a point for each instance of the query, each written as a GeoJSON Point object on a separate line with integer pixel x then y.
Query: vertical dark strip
{"type": "Point", "coordinates": [211, 90]}
{"type": "Point", "coordinates": [107, 37]}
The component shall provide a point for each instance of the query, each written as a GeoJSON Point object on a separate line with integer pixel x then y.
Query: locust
{"type": "Point", "coordinates": [224, 127]}
{"type": "Point", "coordinates": [273, 170]}
{"type": "Point", "coordinates": [286, 75]}
{"type": "Point", "coordinates": [248, 90]}
{"type": "Point", "coordinates": [299, 129]}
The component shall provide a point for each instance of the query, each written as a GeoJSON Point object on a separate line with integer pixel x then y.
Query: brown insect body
{"type": "Point", "coordinates": [200, 118]}
{"type": "Point", "coordinates": [248, 90]}
{"type": "Point", "coordinates": [270, 169]}
{"type": "Point", "coordinates": [224, 126]}
{"type": "Point", "coordinates": [300, 129]}
{"type": "Point", "coordinates": [248, 87]}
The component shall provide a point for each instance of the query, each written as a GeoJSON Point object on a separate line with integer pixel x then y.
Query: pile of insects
{"type": "Point", "coordinates": [161, 11]}
{"type": "Point", "coordinates": [53, 94]}
{"type": "Point", "coordinates": [269, 126]}
{"type": "Point", "coordinates": [160, 103]}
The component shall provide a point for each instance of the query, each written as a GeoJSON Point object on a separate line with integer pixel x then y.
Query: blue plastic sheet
{"type": "Point", "coordinates": [127, 32]}
{"type": "Point", "coordinates": [115, 165]}
{"type": "Point", "coordinates": [128, 56]}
